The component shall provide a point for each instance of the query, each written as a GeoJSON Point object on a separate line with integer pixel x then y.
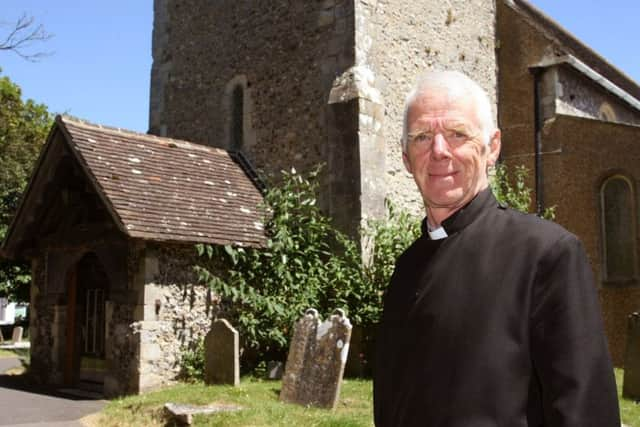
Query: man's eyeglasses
{"type": "Point", "coordinates": [425, 139]}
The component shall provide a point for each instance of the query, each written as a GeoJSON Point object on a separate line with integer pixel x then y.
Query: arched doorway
{"type": "Point", "coordinates": [87, 288]}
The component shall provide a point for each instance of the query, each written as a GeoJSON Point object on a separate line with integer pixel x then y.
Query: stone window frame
{"type": "Point", "coordinates": [607, 113]}
{"type": "Point", "coordinates": [632, 278]}
{"type": "Point", "coordinates": [241, 82]}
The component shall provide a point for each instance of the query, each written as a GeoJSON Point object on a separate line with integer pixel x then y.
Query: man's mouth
{"type": "Point", "coordinates": [441, 175]}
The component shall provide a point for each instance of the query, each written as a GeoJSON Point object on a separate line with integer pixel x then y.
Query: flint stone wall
{"type": "Point", "coordinates": [289, 52]}
{"type": "Point", "coordinates": [154, 309]}
{"type": "Point", "coordinates": [173, 311]}
{"type": "Point", "coordinates": [291, 55]}
{"type": "Point", "coordinates": [407, 38]}
{"type": "Point", "coordinates": [568, 92]}
{"type": "Point", "coordinates": [41, 321]}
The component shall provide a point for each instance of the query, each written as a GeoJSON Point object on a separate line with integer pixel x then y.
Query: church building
{"type": "Point", "coordinates": [301, 83]}
{"type": "Point", "coordinates": [110, 217]}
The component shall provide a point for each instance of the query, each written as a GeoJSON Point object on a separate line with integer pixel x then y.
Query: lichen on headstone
{"type": "Point", "coordinates": [317, 356]}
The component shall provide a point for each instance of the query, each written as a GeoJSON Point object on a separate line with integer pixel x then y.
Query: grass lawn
{"type": "Point", "coordinates": [18, 352]}
{"type": "Point", "coordinates": [259, 398]}
{"type": "Point", "coordinates": [262, 408]}
{"type": "Point", "coordinates": [629, 410]}
{"type": "Point", "coordinates": [6, 353]}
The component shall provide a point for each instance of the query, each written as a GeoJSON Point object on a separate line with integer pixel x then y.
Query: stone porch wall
{"type": "Point", "coordinates": [172, 311]}
{"type": "Point", "coordinates": [42, 322]}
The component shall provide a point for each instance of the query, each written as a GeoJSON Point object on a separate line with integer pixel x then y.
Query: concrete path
{"type": "Point", "coordinates": [26, 405]}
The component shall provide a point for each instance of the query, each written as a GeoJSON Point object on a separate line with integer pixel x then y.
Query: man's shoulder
{"type": "Point", "coordinates": [513, 224]}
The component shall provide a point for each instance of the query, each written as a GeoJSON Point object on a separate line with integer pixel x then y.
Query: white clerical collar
{"type": "Point", "coordinates": [438, 233]}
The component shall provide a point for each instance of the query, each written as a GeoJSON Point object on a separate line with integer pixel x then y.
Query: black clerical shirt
{"type": "Point", "coordinates": [497, 324]}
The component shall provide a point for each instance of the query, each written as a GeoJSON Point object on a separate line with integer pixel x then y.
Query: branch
{"type": "Point", "coordinates": [23, 34]}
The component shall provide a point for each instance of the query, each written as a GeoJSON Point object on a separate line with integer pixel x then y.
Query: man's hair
{"type": "Point", "coordinates": [458, 84]}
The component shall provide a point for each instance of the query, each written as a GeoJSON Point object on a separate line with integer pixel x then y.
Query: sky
{"type": "Point", "coordinates": [100, 62]}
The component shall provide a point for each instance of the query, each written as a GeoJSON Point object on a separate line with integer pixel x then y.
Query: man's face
{"type": "Point", "coordinates": [445, 151]}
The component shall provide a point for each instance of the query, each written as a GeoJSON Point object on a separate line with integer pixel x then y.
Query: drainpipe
{"type": "Point", "coordinates": [537, 126]}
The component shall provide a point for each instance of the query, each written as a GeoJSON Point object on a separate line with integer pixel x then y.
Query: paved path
{"type": "Point", "coordinates": [29, 406]}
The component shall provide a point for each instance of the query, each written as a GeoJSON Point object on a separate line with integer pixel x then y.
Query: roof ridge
{"type": "Point", "coordinates": [181, 143]}
{"type": "Point", "coordinates": [557, 32]}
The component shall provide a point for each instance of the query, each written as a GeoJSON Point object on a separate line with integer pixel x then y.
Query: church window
{"type": "Point", "coordinates": [237, 118]}
{"type": "Point", "coordinates": [237, 108]}
{"type": "Point", "coordinates": [607, 113]}
{"type": "Point", "coordinates": [618, 229]}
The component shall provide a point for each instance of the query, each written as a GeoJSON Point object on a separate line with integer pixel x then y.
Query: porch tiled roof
{"type": "Point", "coordinates": [166, 189]}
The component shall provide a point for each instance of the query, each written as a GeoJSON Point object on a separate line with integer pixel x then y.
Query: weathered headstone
{"type": "Point", "coordinates": [631, 384]}
{"type": "Point", "coordinates": [16, 336]}
{"type": "Point", "coordinates": [275, 369]}
{"type": "Point", "coordinates": [317, 355]}
{"type": "Point", "coordinates": [222, 354]}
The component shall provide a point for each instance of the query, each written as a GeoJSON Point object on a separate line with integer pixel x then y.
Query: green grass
{"type": "Point", "coordinates": [262, 407]}
{"type": "Point", "coordinates": [629, 410]}
{"type": "Point", "coordinates": [259, 398]}
{"type": "Point", "coordinates": [18, 352]}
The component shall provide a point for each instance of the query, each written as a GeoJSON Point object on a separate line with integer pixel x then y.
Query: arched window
{"type": "Point", "coordinates": [607, 112]}
{"type": "Point", "coordinates": [618, 229]}
{"type": "Point", "coordinates": [239, 134]}
{"type": "Point", "coordinates": [237, 118]}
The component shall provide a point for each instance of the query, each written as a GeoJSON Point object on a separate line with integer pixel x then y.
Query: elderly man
{"type": "Point", "coordinates": [492, 317]}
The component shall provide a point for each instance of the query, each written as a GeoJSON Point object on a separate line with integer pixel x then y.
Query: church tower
{"type": "Point", "coordinates": [297, 83]}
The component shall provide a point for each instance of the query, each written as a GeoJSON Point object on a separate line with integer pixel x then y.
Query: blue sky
{"type": "Point", "coordinates": [101, 60]}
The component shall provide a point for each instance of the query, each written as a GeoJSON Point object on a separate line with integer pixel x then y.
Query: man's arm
{"type": "Point", "coordinates": [568, 345]}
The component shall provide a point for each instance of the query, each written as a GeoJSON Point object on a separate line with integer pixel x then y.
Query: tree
{"type": "Point", "coordinates": [23, 129]}
{"type": "Point", "coordinates": [22, 35]}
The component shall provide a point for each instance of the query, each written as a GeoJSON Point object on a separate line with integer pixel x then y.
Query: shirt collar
{"type": "Point", "coordinates": [462, 217]}
{"type": "Point", "coordinates": [438, 233]}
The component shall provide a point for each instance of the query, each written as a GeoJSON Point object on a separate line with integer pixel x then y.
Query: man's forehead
{"type": "Point", "coordinates": [443, 105]}
{"type": "Point", "coordinates": [431, 122]}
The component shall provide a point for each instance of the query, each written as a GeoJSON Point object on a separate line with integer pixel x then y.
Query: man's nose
{"type": "Point", "coordinates": [440, 146]}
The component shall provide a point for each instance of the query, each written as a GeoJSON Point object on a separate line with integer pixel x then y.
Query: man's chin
{"type": "Point", "coordinates": [446, 201]}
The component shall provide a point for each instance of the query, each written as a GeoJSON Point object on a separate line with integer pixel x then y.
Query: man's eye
{"type": "Point", "coordinates": [458, 136]}
{"type": "Point", "coordinates": [422, 137]}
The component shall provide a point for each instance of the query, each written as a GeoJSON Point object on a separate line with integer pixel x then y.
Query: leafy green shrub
{"type": "Point", "coordinates": [192, 362]}
{"type": "Point", "coordinates": [512, 189]}
{"type": "Point", "coordinates": [386, 239]}
{"type": "Point", "coordinates": [305, 262]}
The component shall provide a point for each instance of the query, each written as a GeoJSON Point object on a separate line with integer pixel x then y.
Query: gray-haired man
{"type": "Point", "coordinates": [491, 318]}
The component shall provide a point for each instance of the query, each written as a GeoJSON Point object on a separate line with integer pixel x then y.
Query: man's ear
{"type": "Point", "coordinates": [407, 163]}
{"type": "Point", "coordinates": [495, 144]}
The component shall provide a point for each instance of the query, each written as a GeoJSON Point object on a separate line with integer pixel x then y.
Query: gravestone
{"type": "Point", "coordinates": [222, 355]}
{"type": "Point", "coordinates": [631, 384]}
{"type": "Point", "coordinates": [275, 370]}
{"type": "Point", "coordinates": [315, 364]}
{"type": "Point", "coordinates": [16, 336]}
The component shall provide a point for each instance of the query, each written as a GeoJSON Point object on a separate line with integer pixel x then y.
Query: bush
{"type": "Point", "coordinates": [385, 240]}
{"type": "Point", "coordinates": [512, 189]}
{"type": "Point", "coordinates": [192, 361]}
{"type": "Point", "coordinates": [306, 263]}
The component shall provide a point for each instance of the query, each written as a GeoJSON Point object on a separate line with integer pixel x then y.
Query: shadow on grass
{"type": "Point", "coordinates": [276, 391]}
